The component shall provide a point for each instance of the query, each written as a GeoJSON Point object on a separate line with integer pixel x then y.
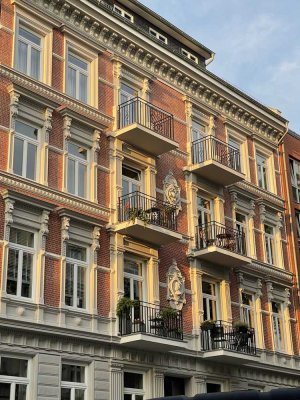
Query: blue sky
{"type": "Point", "coordinates": [257, 45]}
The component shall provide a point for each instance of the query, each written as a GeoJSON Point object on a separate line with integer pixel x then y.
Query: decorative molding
{"type": "Point", "coordinates": [14, 107]}
{"type": "Point", "coordinates": [96, 242]}
{"type": "Point", "coordinates": [67, 122]}
{"type": "Point", "coordinates": [267, 271]}
{"type": "Point", "coordinates": [65, 226]}
{"type": "Point", "coordinates": [48, 123]}
{"type": "Point", "coordinates": [260, 193]}
{"type": "Point", "coordinates": [8, 216]}
{"type": "Point", "coordinates": [172, 191]}
{"type": "Point", "coordinates": [44, 227]}
{"type": "Point", "coordinates": [270, 290]}
{"type": "Point", "coordinates": [176, 287]}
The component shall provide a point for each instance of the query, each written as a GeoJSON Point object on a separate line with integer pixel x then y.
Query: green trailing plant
{"type": "Point", "coordinates": [134, 213]}
{"type": "Point", "coordinates": [167, 312]}
{"type": "Point", "coordinates": [208, 325]}
{"type": "Point", "coordinates": [241, 326]}
{"type": "Point", "coordinates": [124, 306]}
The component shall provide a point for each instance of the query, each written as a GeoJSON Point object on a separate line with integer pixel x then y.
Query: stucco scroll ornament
{"type": "Point", "coordinates": [172, 191]}
{"type": "Point", "coordinates": [9, 209]}
{"type": "Point", "coordinates": [176, 287]}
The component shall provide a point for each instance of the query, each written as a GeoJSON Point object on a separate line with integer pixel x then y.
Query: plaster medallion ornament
{"type": "Point", "coordinates": [176, 287]}
{"type": "Point", "coordinates": [172, 191]}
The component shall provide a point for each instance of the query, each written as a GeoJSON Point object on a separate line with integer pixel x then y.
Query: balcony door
{"type": "Point", "coordinates": [128, 107]}
{"type": "Point", "coordinates": [134, 287]}
{"type": "Point", "coordinates": [241, 227]}
{"type": "Point", "coordinates": [198, 145]}
{"type": "Point", "coordinates": [210, 301]}
{"type": "Point", "coordinates": [204, 217]}
{"type": "Point", "coordinates": [248, 309]}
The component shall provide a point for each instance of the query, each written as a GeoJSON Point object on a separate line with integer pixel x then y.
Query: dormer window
{"type": "Point", "coordinates": [123, 13]}
{"type": "Point", "coordinates": [158, 36]}
{"type": "Point", "coordinates": [189, 55]}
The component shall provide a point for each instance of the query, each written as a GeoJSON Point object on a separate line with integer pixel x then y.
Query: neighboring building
{"type": "Point", "coordinates": [128, 169]}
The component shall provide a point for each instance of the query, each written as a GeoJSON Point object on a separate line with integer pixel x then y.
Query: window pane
{"type": "Point", "coordinates": [126, 287]}
{"type": "Point", "coordinates": [77, 61]}
{"type": "Point", "coordinates": [18, 156]}
{"type": "Point", "coordinates": [65, 394]}
{"type": "Point", "coordinates": [134, 381]}
{"type": "Point", "coordinates": [77, 151]}
{"type": "Point", "coordinates": [81, 180]}
{"type": "Point", "coordinates": [71, 176]}
{"type": "Point", "coordinates": [76, 252]}
{"type": "Point", "coordinates": [131, 173]}
{"type": "Point", "coordinates": [26, 275]}
{"type": "Point", "coordinates": [26, 130]}
{"type": "Point", "coordinates": [5, 391]}
{"type": "Point", "coordinates": [13, 367]}
{"type": "Point", "coordinates": [20, 392]}
{"type": "Point", "coordinates": [79, 394]}
{"type": "Point", "coordinates": [83, 81]}
{"type": "Point", "coordinates": [72, 373]}
{"type": "Point", "coordinates": [22, 57]}
{"type": "Point", "coordinates": [129, 90]}
{"type": "Point", "coordinates": [71, 82]}
{"type": "Point", "coordinates": [133, 268]}
{"type": "Point", "coordinates": [69, 286]}
{"type": "Point", "coordinates": [81, 287]}
{"type": "Point", "coordinates": [29, 36]}
{"type": "Point", "coordinates": [12, 272]}
{"type": "Point", "coordinates": [31, 161]}
{"type": "Point", "coordinates": [21, 237]}
{"type": "Point", "coordinates": [35, 63]}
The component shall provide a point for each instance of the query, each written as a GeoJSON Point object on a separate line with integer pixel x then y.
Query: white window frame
{"type": "Point", "coordinates": [135, 392]}
{"type": "Point", "coordinates": [75, 385]}
{"type": "Point", "coordinates": [75, 264]}
{"type": "Point", "coordinates": [123, 13]}
{"type": "Point", "coordinates": [15, 380]}
{"type": "Point", "coordinates": [21, 249]}
{"type": "Point", "coordinates": [78, 161]}
{"type": "Point", "coordinates": [30, 45]}
{"type": "Point", "coordinates": [26, 140]}
{"type": "Point", "coordinates": [242, 227]}
{"type": "Point", "coordinates": [268, 240]}
{"type": "Point", "coordinates": [248, 311]}
{"type": "Point", "coordinates": [158, 35]}
{"type": "Point", "coordinates": [260, 170]}
{"type": "Point", "coordinates": [138, 278]}
{"type": "Point", "coordinates": [295, 171]}
{"type": "Point", "coordinates": [79, 71]}
{"type": "Point", "coordinates": [189, 55]}
{"type": "Point", "coordinates": [213, 298]}
{"type": "Point", "coordinates": [203, 211]}
{"type": "Point", "coordinates": [132, 181]}
{"type": "Point", "coordinates": [278, 325]}
{"type": "Point", "coordinates": [297, 217]}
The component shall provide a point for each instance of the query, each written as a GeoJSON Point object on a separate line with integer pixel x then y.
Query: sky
{"type": "Point", "coordinates": [257, 45]}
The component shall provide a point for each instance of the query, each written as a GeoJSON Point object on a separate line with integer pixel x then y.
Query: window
{"type": "Point", "coordinates": [133, 279]}
{"type": "Point", "coordinates": [298, 226]}
{"type": "Point", "coordinates": [204, 211]}
{"type": "Point", "coordinates": [213, 387]}
{"type": "Point", "coordinates": [174, 386]}
{"type": "Point", "coordinates": [133, 386]}
{"type": "Point", "coordinates": [262, 171]}
{"type": "Point", "coordinates": [14, 380]}
{"type": "Point", "coordinates": [158, 36]}
{"type": "Point", "coordinates": [129, 109]}
{"type": "Point", "coordinates": [123, 13]}
{"type": "Point", "coordinates": [20, 263]}
{"type": "Point", "coordinates": [29, 49]}
{"type": "Point", "coordinates": [189, 55]}
{"type": "Point", "coordinates": [295, 177]}
{"type": "Point", "coordinates": [241, 227]}
{"type": "Point", "coordinates": [277, 322]}
{"type": "Point", "coordinates": [127, 93]}
{"type": "Point", "coordinates": [269, 244]}
{"type": "Point", "coordinates": [77, 169]}
{"type": "Point", "coordinates": [73, 382]}
{"type": "Point", "coordinates": [234, 154]}
{"type": "Point", "coordinates": [77, 77]}
{"type": "Point", "coordinates": [210, 306]}
{"type": "Point", "coordinates": [25, 150]}
{"type": "Point", "coordinates": [248, 309]}
{"type": "Point", "coordinates": [131, 180]}
{"type": "Point", "coordinates": [198, 130]}
{"type": "Point", "coordinates": [76, 271]}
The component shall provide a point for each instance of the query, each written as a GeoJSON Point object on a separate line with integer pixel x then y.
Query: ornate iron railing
{"type": "Point", "coordinates": [147, 209]}
{"type": "Point", "coordinates": [211, 148]}
{"type": "Point", "coordinates": [143, 113]}
{"type": "Point", "coordinates": [152, 320]}
{"type": "Point", "coordinates": [225, 237]}
{"type": "Point", "coordinates": [223, 336]}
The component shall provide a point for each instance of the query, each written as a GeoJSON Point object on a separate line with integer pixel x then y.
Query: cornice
{"type": "Point", "coordinates": [40, 90]}
{"type": "Point", "coordinates": [199, 84]}
{"type": "Point", "coordinates": [53, 195]}
{"type": "Point", "coordinates": [267, 271]}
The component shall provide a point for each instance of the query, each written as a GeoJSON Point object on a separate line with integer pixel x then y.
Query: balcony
{"type": "Point", "coordinates": [220, 244]}
{"type": "Point", "coordinates": [147, 219]}
{"type": "Point", "coordinates": [146, 127]}
{"type": "Point", "coordinates": [147, 326]}
{"type": "Point", "coordinates": [216, 161]}
{"type": "Point", "coordinates": [228, 344]}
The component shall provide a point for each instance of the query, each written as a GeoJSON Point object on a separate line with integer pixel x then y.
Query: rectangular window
{"type": "Point", "coordinates": [77, 77]}
{"type": "Point", "coordinates": [234, 153]}
{"type": "Point", "coordinates": [277, 322]}
{"type": "Point", "coordinates": [77, 169]}
{"type": "Point", "coordinates": [20, 263]}
{"type": "Point", "coordinates": [295, 177]}
{"type": "Point", "coordinates": [123, 13]}
{"type": "Point", "coordinates": [269, 244]}
{"type": "Point", "coordinates": [131, 180]}
{"type": "Point", "coordinates": [25, 150]}
{"type": "Point", "coordinates": [241, 227]}
{"type": "Point", "coordinates": [210, 306]}
{"type": "Point", "coordinates": [76, 273]}
{"type": "Point", "coordinates": [262, 171]}
{"type": "Point", "coordinates": [158, 36]}
{"type": "Point", "coordinates": [298, 226]}
{"type": "Point", "coordinates": [189, 55]}
{"type": "Point", "coordinates": [248, 309]}
{"type": "Point", "coordinates": [29, 49]}
{"type": "Point", "coordinates": [73, 382]}
{"type": "Point", "coordinates": [14, 380]}
{"type": "Point", "coordinates": [133, 386]}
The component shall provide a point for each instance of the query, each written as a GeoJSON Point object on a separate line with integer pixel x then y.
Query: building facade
{"type": "Point", "coordinates": [141, 196]}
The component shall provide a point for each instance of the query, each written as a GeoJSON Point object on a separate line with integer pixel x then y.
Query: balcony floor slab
{"type": "Point", "coordinates": [230, 357]}
{"type": "Point", "coordinates": [219, 256]}
{"type": "Point", "coordinates": [145, 139]}
{"type": "Point", "coordinates": [145, 341]}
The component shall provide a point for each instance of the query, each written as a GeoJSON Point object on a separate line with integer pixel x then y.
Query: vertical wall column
{"type": "Point", "coordinates": [225, 301]}
{"type": "Point", "coordinates": [198, 385]}
{"type": "Point", "coordinates": [116, 381]}
{"type": "Point", "coordinates": [196, 287]}
{"type": "Point", "coordinates": [153, 279]}
{"type": "Point", "coordinates": [158, 383]}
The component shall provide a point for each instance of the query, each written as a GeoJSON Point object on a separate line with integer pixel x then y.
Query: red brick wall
{"type": "Point", "coordinates": [57, 62]}
{"type": "Point", "coordinates": [6, 38]}
{"type": "Point", "coordinates": [52, 287]}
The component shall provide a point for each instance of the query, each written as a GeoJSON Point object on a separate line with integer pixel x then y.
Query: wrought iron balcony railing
{"type": "Point", "coordinates": [223, 336]}
{"type": "Point", "coordinates": [225, 237]}
{"type": "Point", "coordinates": [152, 320]}
{"type": "Point", "coordinates": [211, 148]}
{"type": "Point", "coordinates": [147, 209]}
{"type": "Point", "coordinates": [143, 113]}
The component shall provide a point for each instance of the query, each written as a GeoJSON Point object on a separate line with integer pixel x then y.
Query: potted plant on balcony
{"type": "Point", "coordinates": [142, 215]}
{"type": "Point", "coordinates": [139, 325]}
{"type": "Point", "coordinates": [241, 327]}
{"type": "Point", "coordinates": [208, 325]}
{"type": "Point", "coordinates": [124, 308]}
{"type": "Point", "coordinates": [167, 315]}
